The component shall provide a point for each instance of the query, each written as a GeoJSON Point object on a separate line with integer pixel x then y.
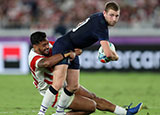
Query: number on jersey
{"type": "Point", "coordinates": [80, 24]}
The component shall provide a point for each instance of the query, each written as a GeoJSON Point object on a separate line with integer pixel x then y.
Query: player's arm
{"type": "Point", "coordinates": [108, 52]}
{"type": "Point", "coordinates": [50, 61]}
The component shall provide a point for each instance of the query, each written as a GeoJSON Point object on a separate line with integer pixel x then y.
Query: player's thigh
{"type": "Point", "coordinates": [85, 92]}
{"type": "Point", "coordinates": [73, 73]}
{"type": "Point", "coordinates": [81, 103]}
{"type": "Point", "coordinates": [73, 79]}
{"type": "Point", "coordinates": [59, 73]}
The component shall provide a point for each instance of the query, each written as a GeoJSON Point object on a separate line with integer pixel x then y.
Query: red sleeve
{"type": "Point", "coordinates": [52, 42]}
{"type": "Point", "coordinates": [33, 62]}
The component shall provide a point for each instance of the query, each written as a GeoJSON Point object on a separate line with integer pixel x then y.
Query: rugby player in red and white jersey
{"type": "Point", "coordinates": [41, 63]}
{"type": "Point", "coordinates": [42, 76]}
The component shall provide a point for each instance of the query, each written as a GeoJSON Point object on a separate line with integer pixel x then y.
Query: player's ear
{"type": "Point", "coordinates": [104, 12]}
{"type": "Point", "coordinates": [35, 47]}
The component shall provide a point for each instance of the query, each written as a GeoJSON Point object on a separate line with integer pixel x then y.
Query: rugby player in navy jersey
{"type": "Point", "coordinates": [93, 29]}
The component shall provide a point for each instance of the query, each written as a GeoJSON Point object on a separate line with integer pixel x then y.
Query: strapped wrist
{"type": "Point", "coordinates": [63, 55]}
{"type": "Point", "coordinates": [66, 54]}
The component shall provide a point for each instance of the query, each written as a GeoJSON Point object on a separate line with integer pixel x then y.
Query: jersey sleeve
{"type": "Point", "coordinates": [36, 64]}
{"type": "Point", "coordinates": [52, 42]}
{"type": "Point", "coordinates": [35, 61]}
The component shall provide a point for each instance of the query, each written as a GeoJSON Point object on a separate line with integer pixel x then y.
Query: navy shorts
{"type": "Point", "coordinates": [63, 45]}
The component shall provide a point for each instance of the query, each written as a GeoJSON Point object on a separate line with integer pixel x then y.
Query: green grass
{"type": "Point", "coordinates": [19, 97]}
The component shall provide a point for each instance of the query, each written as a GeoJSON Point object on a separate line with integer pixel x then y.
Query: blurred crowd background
{"type": "Point", "coordinates": [136, 35]}
{"type": "Point", "coordinates": [66, 14]}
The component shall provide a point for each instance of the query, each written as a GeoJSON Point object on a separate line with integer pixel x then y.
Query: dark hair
{"type": "Point", "coordinates": [37, 37]}
{"type": "Point", "coordinates": [112, 5]}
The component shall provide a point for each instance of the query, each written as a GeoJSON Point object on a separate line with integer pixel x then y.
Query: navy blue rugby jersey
{"type": "Point", "coordinates": [93, 29]}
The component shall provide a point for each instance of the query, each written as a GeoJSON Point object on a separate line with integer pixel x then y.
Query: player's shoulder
{"type": "Point", "coordinates": [34, 56]}
{"type": "Point", "coordinates": [97, 15]}
{"type": "Point", "coordinates": [98, 19]}
{"type": "Point", "coordinates": [32, 53]}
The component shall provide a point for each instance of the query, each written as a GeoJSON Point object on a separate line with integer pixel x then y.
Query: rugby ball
{"type": "Point", "coordinates": [101, 56]}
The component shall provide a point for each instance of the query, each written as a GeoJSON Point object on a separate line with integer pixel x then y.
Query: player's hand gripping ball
{"type": "Point", "coordinates": [101, 56]}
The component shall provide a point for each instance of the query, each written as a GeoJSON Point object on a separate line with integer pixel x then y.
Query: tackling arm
{"type": "Point", "coordinates": [50, 61]}
{"type": "Point", "coordinates": [108, 52]}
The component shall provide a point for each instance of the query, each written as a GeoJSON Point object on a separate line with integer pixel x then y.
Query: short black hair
{"type": "Point", "coordinates": [37, 37]}
{"type": "Point", "coordinates": [112, 5]}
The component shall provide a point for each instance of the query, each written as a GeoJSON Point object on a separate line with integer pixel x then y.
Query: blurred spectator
{"type": "Point", "coordinates": [49, 13]}
{"type": "Point", "coordinates": [60, 29]}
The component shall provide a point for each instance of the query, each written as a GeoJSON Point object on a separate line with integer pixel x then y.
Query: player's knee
{"type": "Point", "coordinates": [93, 106]}
{"type": "Point", "coordinates": [93, 96]}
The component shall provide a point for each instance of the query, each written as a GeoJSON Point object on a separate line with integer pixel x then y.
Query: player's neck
{"type": "Point", "coordinates": [36, 51]}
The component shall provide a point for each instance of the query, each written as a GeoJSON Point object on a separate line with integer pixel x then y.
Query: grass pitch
{"type": "Point", "coordinates": [18, 96]}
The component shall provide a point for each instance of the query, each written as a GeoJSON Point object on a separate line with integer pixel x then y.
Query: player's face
{"type": "Point", "coordinates": [43, 48]}
{"type": "Point", "coordinates": [111, 16]}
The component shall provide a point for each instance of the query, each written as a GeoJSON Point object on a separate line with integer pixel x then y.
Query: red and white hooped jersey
{"type": "Point", "coordinates": [42, 76]}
